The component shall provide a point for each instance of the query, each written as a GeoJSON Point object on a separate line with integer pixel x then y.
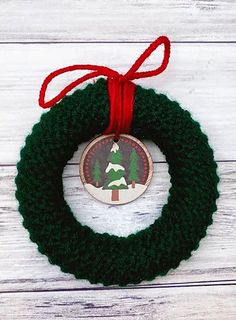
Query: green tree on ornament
{"type": "Point", "coordinates": [97, 173]}
{"type": "Point", "coordinates": [133, 174]}
{"type": "Point", "coordinates": [115, 173]}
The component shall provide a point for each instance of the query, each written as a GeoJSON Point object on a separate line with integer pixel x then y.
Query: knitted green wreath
{"type": "Point", "coordinates": [104, 258]}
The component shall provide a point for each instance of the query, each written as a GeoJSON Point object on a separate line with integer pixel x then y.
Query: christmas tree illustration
{"type": "Point", "coordinates": [97, 173]}
{"type": "Point", "coordinates": [115, 173]}
{"type": "Point", "coordinates": [133, 175]}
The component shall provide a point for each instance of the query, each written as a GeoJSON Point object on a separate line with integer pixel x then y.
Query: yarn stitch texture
{"type": "Point", "coordinates": [104, 258]}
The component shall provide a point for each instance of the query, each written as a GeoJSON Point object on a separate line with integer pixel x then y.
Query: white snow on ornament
{"type": "Point", "coordinates": [117, 182]}
{"type": "Point", "coordinates": [113, 166]}
{"type": "Point", "coordinates": [115, 147]}
{"type": "Point", "coordinates": [126, 195]}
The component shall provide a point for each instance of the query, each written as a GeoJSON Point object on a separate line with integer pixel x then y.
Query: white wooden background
{"type": "Point", "coordinates": [37, 37]}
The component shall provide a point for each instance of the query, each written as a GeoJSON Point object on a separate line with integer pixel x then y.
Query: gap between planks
{"type": "Point", "coordinates": [113, 42]}
{"type": "Point", "coordinates": [77, 163]}
{"type": "Point", "coordinates": [134, 287]}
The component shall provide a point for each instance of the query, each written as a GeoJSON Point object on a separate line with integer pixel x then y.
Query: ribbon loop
{"type": "Point", "coordinates": [97, 71]}
{"type": "Point", "coordinates": [132, 72]}
{"type": "Point", "coordinates": [120, 88]}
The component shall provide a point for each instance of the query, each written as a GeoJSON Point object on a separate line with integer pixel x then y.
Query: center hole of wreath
{"type": "Point", "coordinates": [120, 220]}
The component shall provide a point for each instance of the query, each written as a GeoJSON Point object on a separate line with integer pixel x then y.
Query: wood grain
{"type": "Point", "coordinates": [23, 268]}
{"type": "Point", "coordinates": [73, 20]}
{"type": "Point", "coordinates": [37, 37]}
{"type": "Point", "coordinates": [201, 77]}
{"type": "Point", "coordinates": [193, 303]}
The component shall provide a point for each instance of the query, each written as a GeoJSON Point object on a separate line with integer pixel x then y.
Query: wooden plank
{"type": "Point", "coordinates": [201, 77]}
{"type": "Point", "coordinates": [72, 20]}
{"type": "Point", "coordinates": [205, 303]}
{"type": "Point", "coordinates": [23, 268]}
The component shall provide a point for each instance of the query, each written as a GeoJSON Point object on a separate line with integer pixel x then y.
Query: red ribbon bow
{"type": "Point", "coordinates": [120, 88]}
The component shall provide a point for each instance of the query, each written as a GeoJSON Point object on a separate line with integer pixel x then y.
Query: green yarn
{"type": "Point", "coordinates": [104, 258]}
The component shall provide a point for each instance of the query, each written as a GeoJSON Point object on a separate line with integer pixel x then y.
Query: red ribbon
{"type": "Point", "coordinates": [120, 88]}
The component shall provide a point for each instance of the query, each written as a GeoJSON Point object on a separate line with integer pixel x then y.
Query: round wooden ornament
{"type": "Point", "coordinates": [116, 172]}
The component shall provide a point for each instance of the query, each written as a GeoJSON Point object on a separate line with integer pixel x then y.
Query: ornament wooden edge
{"type": "Point", "coordinates": [98, 138]}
